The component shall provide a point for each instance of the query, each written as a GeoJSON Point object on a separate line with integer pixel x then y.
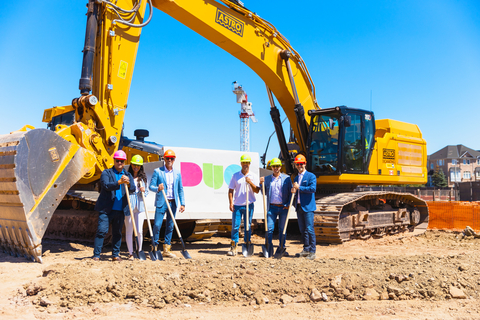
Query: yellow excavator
{"type": "Point", "coordinates": [344, 147]}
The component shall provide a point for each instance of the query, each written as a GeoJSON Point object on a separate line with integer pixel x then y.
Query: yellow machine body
{"type": "Point", "coordinates": [37, 167]}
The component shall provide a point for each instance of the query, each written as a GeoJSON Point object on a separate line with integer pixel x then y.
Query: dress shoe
{"type": "Point", "coordinates": [302, 254]}
{"type": "Point", "coordinates": [117, 259]}
{"type": "Point", "coordinates": [96, 259]}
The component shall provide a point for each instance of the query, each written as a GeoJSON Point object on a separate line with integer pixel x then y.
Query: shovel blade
{"type": "Point", "coordinates": [244, 250]}
{"type": "Point", "coordinates": [141, 255]}
{"type": "Point", "coordinates": [152, 255]}
{"type": "Point", "coordinates": [158, 255]}
{"type": "Point", "coordinates": [186, 255]}
{"type": "Point", "coordinates": [279, 253]}
{"type": "Point", "coordinates": [265, 252]}
{"type": "Point", "coordinates": [250, 250]}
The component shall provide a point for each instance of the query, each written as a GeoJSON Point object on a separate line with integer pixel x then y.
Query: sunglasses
{"type": "Point", "coordinates": [300, 163]}
{"type": "Point", "coordinates": [119, 161]}
{"type": "Point", "coordinates": [275, 166]}
{"type": "Point", "coordinates": [170, 158]}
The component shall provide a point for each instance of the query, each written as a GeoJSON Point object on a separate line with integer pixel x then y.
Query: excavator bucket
{"type": "Point", "coordinates": [37, 168]}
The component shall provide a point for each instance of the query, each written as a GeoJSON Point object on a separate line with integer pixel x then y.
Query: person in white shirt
{"type": "Point", "coordinates": [138, 208]}
{"type": "Point", "coordinates": [238, 187]}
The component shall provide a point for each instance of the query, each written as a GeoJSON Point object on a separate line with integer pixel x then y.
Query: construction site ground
{"type": "Point", "coordinates": [435, 275]}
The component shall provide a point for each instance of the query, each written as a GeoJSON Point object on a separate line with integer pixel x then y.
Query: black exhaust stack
{"type": "Point", "coordinates": [85, 85]}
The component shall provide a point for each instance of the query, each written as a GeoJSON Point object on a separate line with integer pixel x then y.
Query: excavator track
{"type": "Point", "coordinates": [342, 217]}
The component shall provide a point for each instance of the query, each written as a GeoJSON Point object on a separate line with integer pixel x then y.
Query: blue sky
{"type": "Point", "coordinates": [420, 60]}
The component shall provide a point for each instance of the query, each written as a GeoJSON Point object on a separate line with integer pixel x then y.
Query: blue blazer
{"type": "Point", "coordinates": [286, 189]}
{"type": "Point", "coordinates": [109, 185]}
{"type": "Point", "coordinates": [307, 192]}
{"type": "Point", "coordinates": [159, 177]}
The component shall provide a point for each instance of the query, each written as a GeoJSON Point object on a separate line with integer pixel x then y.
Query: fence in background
{"type": "Point", "coordinates": [453, 215]}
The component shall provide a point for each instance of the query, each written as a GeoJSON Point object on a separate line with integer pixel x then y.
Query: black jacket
{"type": "Point", "coordinates": [109, 185]}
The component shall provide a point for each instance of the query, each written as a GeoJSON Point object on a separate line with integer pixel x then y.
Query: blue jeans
{"type": "Point", "coordinates": [305, 224]}
{"type": "Point", "coordinates": [237, 214]}
{"type": "Point", "coordinates": [272, 214]}
{"type": "Point", "coordinates": [157, 225]}
{"type": "Point", "coordinates": [115, 218]}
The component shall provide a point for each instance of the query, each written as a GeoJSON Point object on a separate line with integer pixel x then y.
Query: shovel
{"type": "Point", "coordinates": [185, 253]}
{"type": "Point", "coordinates": [247, 248]}
{"type": "Point", "coordinates": [281, 249]}
{"type": "Point", "coordinates": [137, 254]}
{"type": "Point", "coordinates": [267, 250]}
{"type": "Point", "coordinates": [154, 254]}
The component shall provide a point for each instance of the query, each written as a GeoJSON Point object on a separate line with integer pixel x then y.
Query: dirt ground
{"type": "Point", "coordinates": [432, 276]}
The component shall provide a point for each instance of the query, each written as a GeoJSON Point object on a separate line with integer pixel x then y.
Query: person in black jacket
{"type": "Point", "coordinates": [112, 205]}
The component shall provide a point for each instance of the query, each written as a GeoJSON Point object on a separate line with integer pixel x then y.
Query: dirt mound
{"type": "Point", "coordinates": [256, 281]}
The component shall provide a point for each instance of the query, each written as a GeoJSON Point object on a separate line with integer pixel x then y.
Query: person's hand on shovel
{"type": "Point", "coordinates": [124, 179]}
{"type": "Point", "coordinates": [161, 187]}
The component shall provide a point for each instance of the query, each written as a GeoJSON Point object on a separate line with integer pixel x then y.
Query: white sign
{"type": "Point", "coordinates": [205, 176]}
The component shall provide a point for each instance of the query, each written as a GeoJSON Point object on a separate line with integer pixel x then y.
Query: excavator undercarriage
{"type": "Point", "coordinates": [361, 215]}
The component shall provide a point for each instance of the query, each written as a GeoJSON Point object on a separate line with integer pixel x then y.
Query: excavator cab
{"type": "Point", "coordinates": [341, 140]}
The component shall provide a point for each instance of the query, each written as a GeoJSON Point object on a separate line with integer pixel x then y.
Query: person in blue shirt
{"type": "Point", "coordinates": [112, 205]}
{"type": "Point", "coordinates": [306, 185]}
{"type": "Point", "coordinates": [278, 188]}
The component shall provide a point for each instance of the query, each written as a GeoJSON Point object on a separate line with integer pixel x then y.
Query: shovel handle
{"type": "Point", "coordinates": [131, 211]}
{"type": "Point", "coordinates": [265, 206]}
{"type": "Point", "coordinates": [171, 215]}
{"type": "Point", "coordinates": [247, 213]}
{"type": "Point", "coordinates": [146, 215]}
{"type": "Point", "coordinates": [288, 214]}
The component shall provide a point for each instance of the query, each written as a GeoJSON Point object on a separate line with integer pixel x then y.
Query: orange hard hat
{"type": "Point", "coordinates": [169, 154]}
{"type": "Point", "coordinates": [300, 158]}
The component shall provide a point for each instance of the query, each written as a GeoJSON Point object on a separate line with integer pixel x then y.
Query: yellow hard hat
{"type": "Point", "coordinates": [275, 162]}
{"type": "Point", "coordinates": [137, 159]}
{"type": "Point", "coordinates": [245, 158]}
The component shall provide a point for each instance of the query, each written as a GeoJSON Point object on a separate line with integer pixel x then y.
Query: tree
{"type": "Point", "coordinates": [439, 179]}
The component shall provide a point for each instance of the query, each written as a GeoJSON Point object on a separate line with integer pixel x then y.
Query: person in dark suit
{"type": "Point", "coordinates": [112, 205]}
{"type": "Point", "coordinates": [168, 179]}
{"type": "Point", "coordinates": [306, 185]}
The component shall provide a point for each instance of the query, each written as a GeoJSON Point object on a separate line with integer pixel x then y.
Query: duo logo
{"type": "Point", "coordinates": [213, 175]}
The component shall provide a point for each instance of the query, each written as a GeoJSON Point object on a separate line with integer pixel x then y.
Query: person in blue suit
{"type": "Point", "coordinates": [168, 179]}
{"type": "Point", "coordinates": [112, 205]}
{"type": "Point", "coordinates": [306, 185]}
{"type": "Point", "coordinates": [278, 187]}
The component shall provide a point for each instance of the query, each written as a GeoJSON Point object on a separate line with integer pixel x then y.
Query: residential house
{"type": "Point", "coordinates": [459, 163]}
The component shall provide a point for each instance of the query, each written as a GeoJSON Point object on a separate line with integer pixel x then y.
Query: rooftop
{"type": "Point", "coordinates": [454, 152]}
